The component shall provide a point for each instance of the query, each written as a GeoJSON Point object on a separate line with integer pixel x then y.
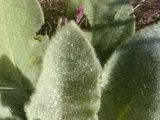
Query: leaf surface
{"type": "Point", "coordinates": [20, 54]}
{"type": "Point", "coordinates": [113, 25]}
{"type": "Point", "coordinates": [68, 87]}
{"type": "Point", "coordinates": [131, 79]}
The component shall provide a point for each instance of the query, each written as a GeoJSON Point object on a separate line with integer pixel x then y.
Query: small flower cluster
{"type": "Point", "coordinates": [62, 22]}
{"type": "Point", "coordinates": [79, 16]}
{"type": "Point", "coordinates": [146, 11]}
{"type": "Point", "coordinates": [82, 19]}
{"type": "Point", "coordinates": [54, 11]}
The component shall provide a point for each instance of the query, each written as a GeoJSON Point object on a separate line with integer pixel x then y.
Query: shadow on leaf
{"type": "Point", "coordinates": [132, 92]}
{"type": "Point", "coordinates": [16, 88]}
{"type": "Point", "coordinates": [107, 37]}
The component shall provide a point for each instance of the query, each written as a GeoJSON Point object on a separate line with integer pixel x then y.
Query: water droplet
{"type": "Point", "coordinates": [68, 33]}
{"type": "Point", "coordinates": [38, 112]}
{"type": "Point", "coordinates": [72, 44]}
{"type": "Point", "coordinates": [102, 85]}
{"type": "Point", "coordinates": [51, 75]}
{"type": "Point", "coordinates": [45, 113]}
{"type": "Point", "coordinates": [55, 103]}
{"type": "Point", "coordinates": [58, 96]}
{"type": "Point", "coordinates": [71, 56]}
{"type": "Point", "coordinates": [86, 64]}
{"type": "Point", "coordinates": [56, 111]}
{"type": "Point", "coordinates": [56, 41]}
{"type": "Point", "coordinates": [45, 71]}
{"type": "Point", "coordinates": [63, 106]}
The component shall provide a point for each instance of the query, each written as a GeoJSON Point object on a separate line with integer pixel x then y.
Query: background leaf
{"type": "Point", "coordinates": [68, 87]}
{"type": "Point", "coordinates": [131, 79]}
{"type": "Point", "coordinates": [19, 22]}
{"type": "Point", "coordinates": [20, 54]}
{"type": "Point", "coordinates": [113, 25]}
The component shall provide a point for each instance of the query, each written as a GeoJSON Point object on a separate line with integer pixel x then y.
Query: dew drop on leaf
{"type": "Point", "coordinates": [60, 38]}
{"type": "Point", "coordinates": [68, 33]}
{"type": "Point", "coordinates": [72, 44]}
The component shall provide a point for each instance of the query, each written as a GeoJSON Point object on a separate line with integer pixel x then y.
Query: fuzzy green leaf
{"type": "Point", "coordinates": [20, 54]}
{"type": "Point", "coordinates": [19, 22]}
{"type": "Point", "coordinates": [6, 112]}
{"type": "Point", "coordinates": [68, 86]}
{"type": "Point", "coordinates": [113, 25]}
{"type": "Point", "coordinates": [110, 21]}
{"type": "Point", "coordinates": [131, 79]}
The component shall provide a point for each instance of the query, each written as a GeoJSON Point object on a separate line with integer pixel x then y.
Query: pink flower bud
{"type": "Point", "coordinates": [79, 14]}
{"type": "Point", "coordinates": [65, 21]}
{"type": "Point", "coordinates": [79, 10]}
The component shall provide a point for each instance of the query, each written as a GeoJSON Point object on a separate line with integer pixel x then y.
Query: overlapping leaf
{"type": "Point", "coordinates": [20, 54]}
{"type": "Point", "coordinates": [131, 79]}
{"type": "Point", "coordinates": [113, 25]}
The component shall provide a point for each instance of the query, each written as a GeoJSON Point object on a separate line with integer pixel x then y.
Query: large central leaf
{"type": "Point", "coordinates": [68, 88]}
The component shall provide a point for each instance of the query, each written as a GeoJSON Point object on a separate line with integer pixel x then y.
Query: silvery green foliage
{"type": "Point", "coordinates": [113, 25]}
{"type": "Point", "coordinates": [19, 22]}
{"type": "Point", "coordinates": [20, 54]}
{"type": "Point", "coordinates": [69, 82]}
{"type": "Point", "coordinates": [68, 86]}
{"type": "Point", "coordinates": [131, 79]}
